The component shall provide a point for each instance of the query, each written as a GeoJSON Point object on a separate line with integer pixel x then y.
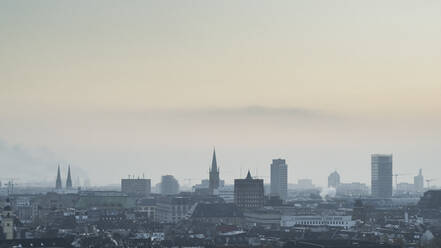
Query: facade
{"type": "Point", "coordinates": [213, 175]}
{"type": "Point", "coordinates": [333, 180]}
{"type": "Point", "coordinates": [169, 185]}
{"type": "Point", "coordinates": [418, 182]}
{"type": "Point", "coordinates": [227, 193]}
{"type": "Point", "coordinates": [381, 175]}
{"type": "Point", "coordinates": [172, 209]}
{"type": "Point", "coordinates": [248, 192]}
{"type": "Point", "coordinates": [217, 213]}
{"type": "Point", "coordinates": [345, 222]}
{"type": "Point", "coordinates": [136, 187]}
{"type": "Point", "coordinates": [279, 178]}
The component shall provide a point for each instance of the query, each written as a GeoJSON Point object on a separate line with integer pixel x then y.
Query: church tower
{"type": "Point", "coordinates": [214, 174]}
{"type": "Point", "coordinates": [58, 182]}
{"type": "Point", "coordinates": [8, 221]}
{"type": "Point", "coordinates": [69, 179]}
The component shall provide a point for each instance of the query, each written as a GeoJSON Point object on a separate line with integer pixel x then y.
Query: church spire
{"type": "Point", "coordinates": [214, 162]}
{"type": "Point", "coordinates": [69, 179]}
{"type": "Point", "coordinates": [249, 175]}
{"type": "Point", "coordinates": [58, 182]}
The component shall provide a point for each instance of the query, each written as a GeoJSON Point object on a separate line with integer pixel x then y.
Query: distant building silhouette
{"type": "Point", "coordinates": [69, 179]}
{"type": "Point", "coordinates": [381, 175]}
{"type": "Point", "coordinates": [279, 178]}
{"type": "Point", "coordinates": [58, 184]}
{"type": "Point", "coordinates": [248, 192]}
{"type": "Point", "coordinates": [213, 175]}
{"type": "Point", "coordinates": [136, 187]}
{"type": "Point", "coordinates": [334, 179]}
{"type": "Point", "coordinates": [169, 185]}
{"type": "Point", "coordinates": [418, 182]}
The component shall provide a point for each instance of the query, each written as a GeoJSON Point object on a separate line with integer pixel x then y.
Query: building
{"type": "Point", "coordinates": [345, 222]}
{"type": "Point", "coordinates": [333, 180]}
{"type": "Point", "coordinates": [405, 188]}
{"type": "Point", "coordinates": [217, 213]}
{"type": "Point", "coordinates": [147, 207]}
{"type": "Point", "coordinates": [213, 175]}
{"type": "Point", "coordinates": [69, 179]}
{"type": "Point", "coordinates": [418, 182]}
{"type": "Point", "coordinates": [172, 209]}
{"type": "Point", "coordinates": [8, 221]}
{"type": "Point", "coordinates": [352, 189]}
{"type": "Point", "coordinates": [248, 192]}
{"type": "Point", "coordinates": [227, 193]}
{"type": "Point", "coordinates": [136, 187]}
{"type": "Point", "coordinates": [169, 185]}
{"type": "Point", "coordinates": [279, 178]}
{"type": "Point", "coordinates": [381, 175]}
{"type": "Point", "coordinates": [305, 183]}
{"type": "Point", "coordinates": [58, 181]}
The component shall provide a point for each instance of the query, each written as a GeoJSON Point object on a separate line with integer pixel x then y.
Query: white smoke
{"type": "Point", "coordinates": [327, 192]}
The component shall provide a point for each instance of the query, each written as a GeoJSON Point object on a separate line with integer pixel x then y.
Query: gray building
{"type": "Point", "coordinates": [381, 175]}
{"type": "Point", "coordinates": [279, 178]}
{"type": "Point", "coordinates": [418, 182]}
{"type": "Point", "coordinates": [334, 179]}
{"type": "Point", "coordinates": [248, 192]}
{"type": "Point", "coordinates": [136, 187]}
{"type": "Point", "coordinates": [169, 185]}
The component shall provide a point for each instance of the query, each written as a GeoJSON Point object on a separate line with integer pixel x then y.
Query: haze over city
{"type": "Point", "coordinates": [151, 87]}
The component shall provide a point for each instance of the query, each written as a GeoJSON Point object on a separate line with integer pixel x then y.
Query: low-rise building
{"type": "Point", "coordinates": [345, 222]}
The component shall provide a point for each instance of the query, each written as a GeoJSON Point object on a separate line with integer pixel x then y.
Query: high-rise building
{"type": "Point", "coordinates": [69, 179]}
{"type": "Point", "coordinates": [418, 181]}
{"type": "Point", "coordinates": [248, 192]}
{"type": "Point", "coordinates": [381, 175]}
{"type": "Point", "coordinates": [333, 180]}
{"type": "Point", "coordinates": [169, 185]}
{"type": "Point", "coordinates": [58, 181]}
{"type": "Point", "coordinates": [279, 178]}
{"type": "Point", "coordinates": [136, 187]}
{"type": "Point", "coordinates": [213, 175]}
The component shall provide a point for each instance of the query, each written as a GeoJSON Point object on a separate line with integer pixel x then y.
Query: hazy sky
{"type": "Point", "coordinates": [131, 87]}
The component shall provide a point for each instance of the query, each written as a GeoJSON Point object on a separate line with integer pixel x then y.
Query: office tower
{"type": "Point", "coordinates": [333, 179]}
{"type": "Point", "coordinates": [169, 185]}
{"type": "Point", "coordinates": [418, 181]}
{"type": "Point", "coordinates": [58, 182]}
{"type": "Point", "coordinates": [136, 187]}
{"type": "Point", "coordinates": [248, 192]}
{"type": "Point", "coordinates": [69, 179]}
{"type": "Point", "coordinates": [279, 178]}
{"type": "Point", "coordinates": [381, 175]}
{"type": "Point", "coordinates": [213, 175]}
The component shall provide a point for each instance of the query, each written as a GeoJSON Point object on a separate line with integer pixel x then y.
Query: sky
{"type": "Point", "coordinates": [118, 88]}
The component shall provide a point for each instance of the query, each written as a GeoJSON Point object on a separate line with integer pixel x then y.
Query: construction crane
{"type": "Point", "coordinates": [430, 180]}
{"type": "Point", "coordinates": [396, 178]}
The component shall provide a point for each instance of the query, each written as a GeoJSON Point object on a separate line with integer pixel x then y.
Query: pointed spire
{"type": "Point", "coordinates": [214, 162]}
{"type": "Point", "coordinates": [58, 182]}
{"type": "Point", "coordinates": [69, 179]}
{"type": "Point", "coordinates": [249, 175]}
